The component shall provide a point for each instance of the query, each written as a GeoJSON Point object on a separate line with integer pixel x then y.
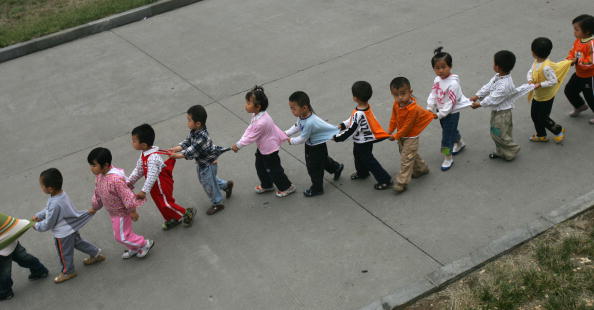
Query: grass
{"type": "Point", "coordinates": [22, 20]}
{"type": "Point", "coordinates": [552, 272]}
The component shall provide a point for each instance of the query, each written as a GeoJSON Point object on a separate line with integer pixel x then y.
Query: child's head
{"type": "Point", "coordinates": [541, 48]}
{"type": "Point", "coordinates": [401, 90]}
{"type": "Point", "coordinates": [361, 91]}
{"type": "Point", "coordinates": [583, 26]}
{"type": "Point", "coordinates": [441, 63]}
{"type": "Point", "coordinates": [299, 104]}
{"type": "Point", "coordinates": [504, 62]}
{"type": "Point", "coordinates": [196, 117]}
{"type": "Point", "coordinates": [50, 181]}
{"type": "Point", "coordinates": [256, 100]}
{"type": "Point", "coordinates": [99, 160]}
{"type": "Point", "coordinates": [143, 137]}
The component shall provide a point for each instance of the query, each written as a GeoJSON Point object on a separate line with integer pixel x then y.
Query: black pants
{"type": "Point", "coordinates": [540, 112]}
{"type": "Point", "coordinates": [270, 172]}
{"type": "Point", "coordinates": [365, 162]}
{"type": "Point", "coordinates": [577, 85]}
{"type": "Point", "coordinates": [25, 260]}
{"type": "Point", "coordinates": [317, 160]}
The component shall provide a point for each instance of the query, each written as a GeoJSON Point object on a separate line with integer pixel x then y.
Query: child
{"type": "Point", "coordinates": [112, 192]}
{"type": "Point", "coordinates": [582, 55]}
{"type": "Point", "coordinates": [268, 137]}
{"type": "Point", "coordinates": [365, 130]}
{"type": "Point", "coordinates": [314, 133]}
{"type": "Point", "coordinates": [500, 94]}
{"type": "Point", "coordinates": [65, 221]}
{"type": "Point", "coordinates": [200, 147]}
{"type": "Point", "coordinates": [158, 176]}
{"type": "Point", "coordinates": [447, 100]}
{"type": "Point", "coordinates": [546, 76]}
{"type": "Point", "coordinates": [409, 120]}
{"type": "Point", "coordinates": [11, 250]}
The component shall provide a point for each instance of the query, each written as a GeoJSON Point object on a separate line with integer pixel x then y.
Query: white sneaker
{"type": "Point", "coordinates": [146, 248]}
{"type": "Point", "coordinates": [447, 163]}
{"type": "Point", "coordinates": [129, 254]}
{"type": "Point", "coordinates": [458, 147]}
{"type": "Point", "coordinates": [286, 192]}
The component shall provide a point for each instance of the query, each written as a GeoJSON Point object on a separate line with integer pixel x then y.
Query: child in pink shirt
{"type": "Point", "coordinates": [112, 193]}
{"type": "Point", "coordinates": [268, 137]}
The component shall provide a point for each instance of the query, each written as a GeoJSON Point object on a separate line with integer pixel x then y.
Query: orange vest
{"type": "Point", "coordinates": [410, 120]}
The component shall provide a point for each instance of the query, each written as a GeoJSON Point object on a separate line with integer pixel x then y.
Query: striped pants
{"type": "Point", "coordinates": [65, 247]}
{"type": "Point", "coordinates": [122, 233]}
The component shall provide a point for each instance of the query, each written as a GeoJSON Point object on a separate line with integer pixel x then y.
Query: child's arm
{"type": "Point", "coordinates": [571, 55]}
{"type": "Point", "coordinates": [354, 123]}
{"type": "Point", "coordinates": [136, 174]}
{"type": "Point", "coordinates": [126, 196]}
{"type": "Point", "coordinates": [50, 219]}
{"type": "Point", "coordinates": [498, 95]}
{"type": "Point", "coordinates": [529, 75]}
{"type": "Point", "coordinates": [550, 76]}
{"type": "Point", "coordinates": [293, 130]}
{"type": "Point", "coordinates": [484, 91]}
{"type": "Point", "coordinates": [250, 135]}
{"type": "Point", "coordinates": [305, 133]}
{"type": "Point", "coordinates": [96, 203]}
{"type": "Point", "coordinates": [393, 119]}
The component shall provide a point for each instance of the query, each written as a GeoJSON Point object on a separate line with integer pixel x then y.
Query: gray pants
{"type": "Point", "coordinates": [66, 246]}
{"type": "Point", "coordinates": [501, 132]}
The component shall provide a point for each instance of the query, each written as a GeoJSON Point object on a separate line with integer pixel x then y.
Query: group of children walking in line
{"type": "Point", "coordinates": [114, 190]}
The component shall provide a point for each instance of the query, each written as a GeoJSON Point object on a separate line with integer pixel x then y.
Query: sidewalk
{"type": "Point", "coordinates": [343, 250]}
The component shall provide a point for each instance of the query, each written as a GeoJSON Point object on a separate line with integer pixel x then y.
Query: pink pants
{"type": "Point", "coordinates": [122, 233]}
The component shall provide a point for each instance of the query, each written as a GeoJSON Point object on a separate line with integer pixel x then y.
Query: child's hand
{"type": "Point", "coordinates": [474, 98]}
{"type": "Point", "coordinates": [573, 60]}
{"type": "Point", "coordinates": [234, 148]}
{"type": "Point", "coordinates": [476, 105]}
{"type": "Point", "coordinates": [134, 216]}
{"type": "Point", "coordinates": [141, 195]}
{"type": "Point", "coordinates": [537, 85]}
{"type": "Point", "coordinates": [391, 138]}
{"type": "Point", "coordinates": [35, 219]}
{"type": "Point", "coordinates": [92, 211]}
{"type": "Point", "coordinates": [435, 116]}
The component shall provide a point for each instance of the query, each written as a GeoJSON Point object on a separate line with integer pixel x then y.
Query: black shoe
{"type": "Point", "coordinates": [338, 171]}
{"type": "Point", "coordinates": [9, 296]}
{"type": "Point", "coordinates": [356, 176]}
{"type": "Point", "coordinates": [309, 193]}
{"type": "Point", "coordinates": [37, 276]}
{"type": "Point", "coordinates": [189, 217]}
{"type": "Point", "coordinates": [229, 190]}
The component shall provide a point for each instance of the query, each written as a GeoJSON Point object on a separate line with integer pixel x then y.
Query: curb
{"type": "Point", "coordinates": [100, 25]}
{"type": "Point", "coordinates": [453, 271]}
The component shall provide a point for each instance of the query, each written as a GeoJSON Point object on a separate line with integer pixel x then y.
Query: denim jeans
{"type": "Point", "coordinates": [449, 132]}
{"type": "Point", "coordinates": [207, 175]}
{"type": "Point", "coordinates": [25, 260]}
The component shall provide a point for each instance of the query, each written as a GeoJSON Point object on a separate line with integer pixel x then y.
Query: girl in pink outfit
{"type": "Point", "coordinates": [268, 137]}
{"type": "Point", "coordinates": [112, 192]}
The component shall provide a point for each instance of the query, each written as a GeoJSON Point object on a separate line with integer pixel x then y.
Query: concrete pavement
{"type": "Point", "coordinates": [342, 250]}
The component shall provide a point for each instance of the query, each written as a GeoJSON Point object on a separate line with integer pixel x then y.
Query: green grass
{"type": "Point", "coordinates": [22, 20]}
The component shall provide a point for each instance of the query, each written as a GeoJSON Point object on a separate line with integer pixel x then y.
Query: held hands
{"type": "Point", "coordinates": [141, 195]}
{"type": "Point", "coordinates": [476, 105]}
{"type": "Point", "coordinates": [474, 98]}
{"type": "Point", "coordinates": [391, 138]}
{"type": "Point", "coordinates": [35, 219]}
{"type": "Point", "coordinates": [234, 148]}
{"type": "Point", "coordinates": [435, 116]}
{"type": "Point", "coordinates": [92, 211]}
{"type": "Point", "coordinates": [134, 216]}
{"type": "Point", "coordinates": [176, 155]}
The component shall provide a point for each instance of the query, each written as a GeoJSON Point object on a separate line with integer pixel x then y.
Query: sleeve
{"type": "Point", "coordinates": [126, 196]}
{"type": "Point", "coordinates": [186, 143]}
{"type": "Point", "coordinates": [550, 76]}
{"type": "Point", "coordinates": [431, 101]}
{"type": "Point", "coordinates": [136, 173]}
{"type": "Point", "coordinates": [529, 75]}
{"type": "Point", "coordinates": [293, 130]}
{"type": "Point", "coordinates": [96, 202]}
{"type": "Point", "coordinates": [354, 124]}
{"type": "Point", "coordinates": [407, 126]}
{"type": "Point", "coordinates": [393, 119]}
{"type": "Point", "coordinates": [571, 54]}
{"type": "Point", "coordinates": [305, 133]}
{"type": "Point", "coordinates": [154, 165]}
{"type": "Point", "coordinates": [484, 91]}
{"type": "Point", "coordinates": [250, 135]}
{"type": "Point", "coordinates": [41, 214]}
{"type": "Point", "coordinates": [496, 96]}
{"type": "Point", "coordinates": [51, 219]}
{"type": "Point", "coordinates": [193, 150]}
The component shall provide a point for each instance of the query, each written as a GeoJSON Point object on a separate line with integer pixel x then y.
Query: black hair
{"type": "Point", "coordinates": [585, 22]}
{"type": "Point", "coordinates": [541, 47]}
{"type": "Point", "coordinates": [51, 178]}
{"type": "Point", "coordinates": [439, 55]}
{"type": "Point", "coordinates": [505, 60]}
{"type": "Point", "coordinates": [301, 99]}
{"type": "Point", "coordinates": [145, 134]}
{"type": "Point", "coordinates": [362, 90]}
{"type": "Point", "coordinates": [99, 155]}
{"type": "Point", "coordinates": [198, 114]}
{"type": "Point", "coordinates": [260, 98]}
{"type": "Point", "coordinates": [399, 82]}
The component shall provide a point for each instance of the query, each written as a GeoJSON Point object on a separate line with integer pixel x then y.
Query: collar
{"type": "Point", "coordinates": [151, 151]}
{"type": "Point", "coordinates": [258, 115]}
{"type": "Point", "coordinates": [304, 118]}
{"type": "Point", "coordinates": [586, 40]}
{"type": "Point", "coordinates": [116, 171]}
{"type": "Point", "coordinates": [362, 110]}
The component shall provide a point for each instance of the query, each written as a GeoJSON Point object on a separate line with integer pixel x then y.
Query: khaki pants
{"type": "Point", "coordinates": [501, 132]}
{"type": "Point", "coordinates": [410, 161]}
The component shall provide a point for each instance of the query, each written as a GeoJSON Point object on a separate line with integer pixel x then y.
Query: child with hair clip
{"type": "Point", "coordinates": [447, 100]}
{"type": "Point", "coordinates": [268, 137]}
{"type": "Point", "coordinates": [314, 132]}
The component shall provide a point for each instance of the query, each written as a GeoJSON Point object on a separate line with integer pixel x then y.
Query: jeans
{"type": "Point", "coordinates": [365, 163]}
{"type": "Point", "coordinates": [207, 175]}
{"type": "Point", "coordinates": [25, 260]}
{"type": "Point", "coordinates": [270, 172]}
{"type": "Point", "coordinates": [449, 132]}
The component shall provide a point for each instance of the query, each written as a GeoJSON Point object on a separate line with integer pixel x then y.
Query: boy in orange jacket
{"type": "Point", "coordinates": [409, 120]}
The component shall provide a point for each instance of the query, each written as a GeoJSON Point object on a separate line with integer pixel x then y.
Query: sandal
{"type": "Point", "coordinates": [382, 186]}
{"type": "Point", "coordinates": [494, 156]}
{"type": "Point", "coordinates": [64, 277]}
{"type": "Point", "coordinates": [214, 209]}
{"type": "Point", "coordinates": [355, 176]}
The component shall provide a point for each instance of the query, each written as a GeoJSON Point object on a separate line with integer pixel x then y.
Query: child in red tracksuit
{"type": "Point", "coordinates": [158, 176]}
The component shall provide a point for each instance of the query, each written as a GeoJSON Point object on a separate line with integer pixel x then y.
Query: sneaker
{"type": "Point", "coordinates": [399, 188]}
{"type": "Point", "coordinates": [579, 110]}
{"type": "Point", "coordinates": [560, 137]}
{"type": "Point", "coordinates": [37, 276]}
{"type": "Point", "coordinates": [167, 225]}
{"type": "Point", "coordinates": [261, 190]}
{"type": "Point", "coordinates": [188, 218]}
{"type": "Point", "coordinates": [591, 121]}
{"type": "Point", "coordinates": [419, 174]}
{"type": "Point", "coordinates": [458, 147]}
{"type": "Point", "coordinates": [286, 192]}
{"type": "Point", "coordinates": [229, 190]}
{"type": "Point", "coordinates": [146, 248]}
{"type": "Point", "coordinates": [338, 172]}
{"type": "Point", "coordinates": [309, 193]}
{"type": "Point", "coordinates": [91, 260]}
{"type": "Point", "coordinates": [214, 209]}
{"type": "Point", "coordinates": [7, 297]}
{"type": "Point", "coordinates": [356, 176]}
{"type": "Point", "coordinates": [63, 277]}
{"type": "Point", "coordinates": [535, 138]}
{"type": "Point", "coordinates": [129, 254]}
{"type": "Point", "coordinates": [447, 163]}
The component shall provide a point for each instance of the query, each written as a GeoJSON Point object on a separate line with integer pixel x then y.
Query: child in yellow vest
{"type": "Point", "coordinates": [547, 77]}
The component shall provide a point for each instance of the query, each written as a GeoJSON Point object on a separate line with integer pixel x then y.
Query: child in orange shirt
{"type": "Point", "coordinates": [409, 120]}
{"type": "Point", "coordinates": [582, 55]}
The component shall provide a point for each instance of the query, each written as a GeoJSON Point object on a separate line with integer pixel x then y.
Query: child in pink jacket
{"type": "Point", "coordinates": [112, 192]}
{"type": "Point", "coordinates": [268, 137]}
